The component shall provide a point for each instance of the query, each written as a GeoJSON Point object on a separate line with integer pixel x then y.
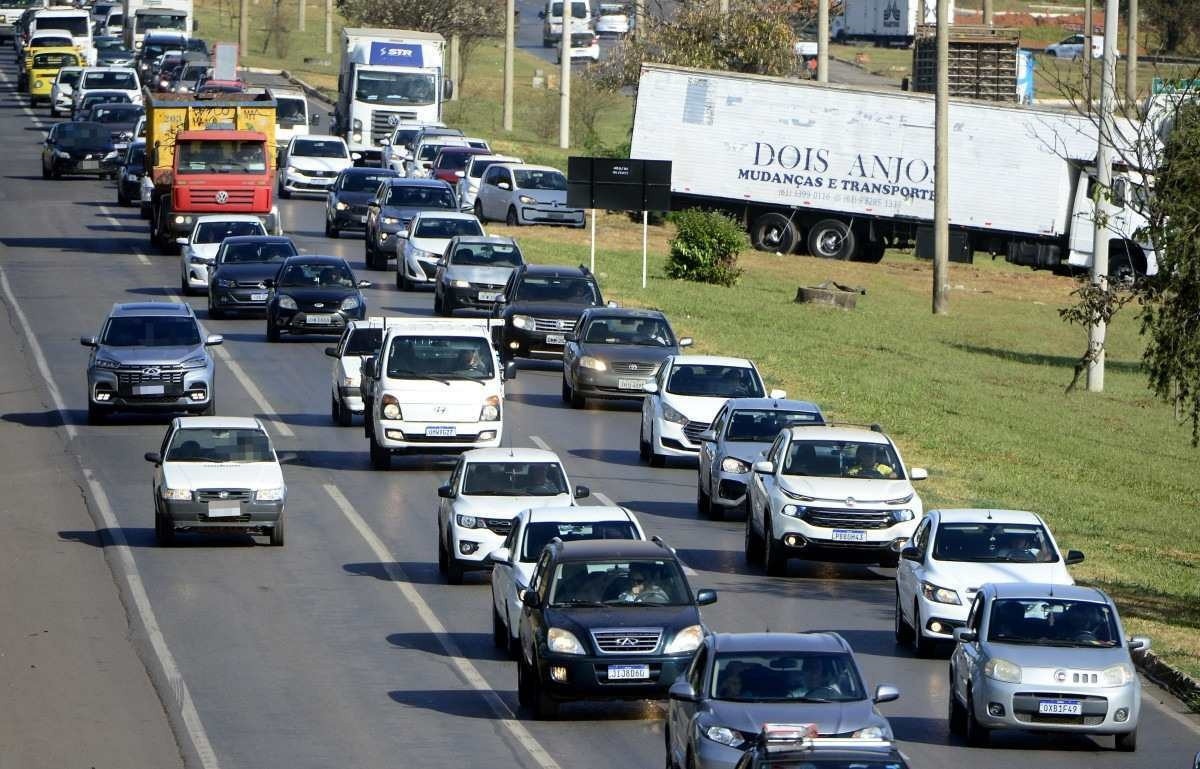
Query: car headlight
{"type": "Point", "coordinates": [428, 256]}
{"type": "Point", "coordinates": [461, 283]}
{"type": "Point", "coordinates": [725, 736]}
{"type": "Point", "coordinates": [1117, 675]}
{"type": "Point", "coordinates": [595, 364]}
{"type": "Point", "coordinates": [181, 219]}
{"type": "Point", "coordinates": [686, 640]}
{"type": "Point", "coordinates": [797, 497]}
{"type": "Point", "coordinates": [200, 361]}
{"type": "Point", "coordinates": [350, 303]}
{"type": "Point", "coordinates": [111, 155]}
{"type": "Point", "coordinates": [37, 83]}
{"type": "Point", "coordinates": [526, 200]}
{"type": "Point", "coordinates": [389, 220]}
{"type": "Point", "coordinates": [391, 408]}
{"type": "Point", "coordinates": [62, 155]}
{"type": "Point", "coordinates": [226, 283]}
{"type": "Point", "coordinates": [491, 410]}
{"type": "Point", "coordinates": [356, 138]}
{"type": "Point", "coordinates": [468, 522]}
{"type": "Point", "coordinates": [871, 733]}
{"type": "Point", "coordinates": [356, 125]}
{"type": "Point", "coordinates": [269, 495]}
{"type": "Point", "coordinates": [107, 363]}
{"type": "Point", "coordinates": [939, 594]}
{"type": "Point", "coordinates": [899, 516]}
{"type": "Point", "coordinates": [734, 465]}
{"type": "Point", "coordinates": [901, 501]}
{"type": "Point", "coordinates": [287, 303]}
{"type": "Point", "coordinates": [795, 511]}
{"type": "Point", "coordinates": [198, 259]}
{"type": "Point", "coordinates": [522, 321]}
{"type": "Point", "coordinates": [341, 206]}
{"type": "Point", "coordinates": [671, 415]}
{"type": "Point", "coordinates": [563, 641]}
{"type": "Point", "coordinates": [1003, 671]}
{"type": "Point", "coordinates": [177, 495]}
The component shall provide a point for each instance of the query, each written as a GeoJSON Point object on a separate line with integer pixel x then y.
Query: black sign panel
{"type": "Point", "coordinates": [619, 184]}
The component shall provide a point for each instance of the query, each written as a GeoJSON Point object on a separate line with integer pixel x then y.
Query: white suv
{"type": "Point", "coordinates": [487, 488]}
{"type": "Point", "coordinates": [832, 491]}
{"type": "Point", "coordinates": [108, 79]}
{"type": "Point", "coordinates": [513, 563]}
{"type": "Point", "coordinates": [198, 251]}
{"type": "Point", "coordinates": [954, 552]}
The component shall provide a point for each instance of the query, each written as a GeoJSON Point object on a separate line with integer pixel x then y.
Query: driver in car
{"type": "Point", "coordinates": [641, 588]}
{"type": "Point", "coordinates": [869, 464]}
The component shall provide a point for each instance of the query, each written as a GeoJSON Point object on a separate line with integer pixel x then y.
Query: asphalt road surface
{"type": "Point", "coordinates": [345, 649]}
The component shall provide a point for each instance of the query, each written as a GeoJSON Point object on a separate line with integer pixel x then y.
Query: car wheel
{"type": "Point", "coordinates": [331, 231]}
{"type": "Point", "coordinates": [276, 532]}
{"type": "Point", "coordinates": [1126, 743]}
{"type": "Point", "coordinates": [643, 447]}
{"type": "Point", "coordinates": [704, 503]}
{"type": "Point", "coordinates": [97, 415]}
{"type": "Point", "coordinates": [524, 687]}
{"type": "Point", "coordinates": [977, 734]}
{"type": "Point", "coordinates": [958, 714]}
{"type": "Point", "coordinates": [499, 629]}
{"type": "Point", "coordinates": [774, 560]}
{"type": "Point", "coordinates": [921, 646]}
{"type": "Point", "coordinates": [381, 458]}
{"type": "Point", "coordinates": [184, 288]}
{"type": "Point", "coordinates": [345, 417]}
{"type": "Point", "coordinates": [213, 312]}
{"type": "Point", "coordinates": [511, 219]}
{"type": "Point", "coordinates": [753, 545]}
{"type": "Point", "coordinates": [272, 331]}
{"type": "Point", "coordinates": [479, 211]}
{"type": "Point", "coordinates": [45, 171]}
{"type": "Point", "coordinates": [443, 560]}
{"type": "Point", "coordinates": [400, 281]}
{"type": "Point", "coordinates": [576, 400]}
{"type": "Point", "coordinates": [656, 459]}
{"type": "Point", "coordinates": [283, 192]}
{"type": "Point", "coordinates": [164, 532]}
{"type": "Point", "coordinates": [545, 707]}
{"type": "Point", "coordinates": [122, 198]}
{"type": "Point", "coordinates": [900, 627]}
{"type": "Point", "coordinates": [454, 569]}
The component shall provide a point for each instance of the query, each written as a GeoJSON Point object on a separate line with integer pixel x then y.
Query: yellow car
{"type": "Point", "coordinates": [47, 43]}
{"type": "Point", "coordinates": [44, 68]}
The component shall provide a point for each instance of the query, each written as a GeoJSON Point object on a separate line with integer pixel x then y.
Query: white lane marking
{"type": "Point", "coordinates": [470, 673]}
{"type": "Point", "coordinates": [128, 568]}
{"type": "Point", "coordinates": [113, 221]}
{"type": "Point", "coordinates": [541, 444]}
{"type": "Point", "coordinates": [255, 394]}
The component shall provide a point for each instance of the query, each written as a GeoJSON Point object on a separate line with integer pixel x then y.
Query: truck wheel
{"type": "Point", "coordinates": [831, 239]}
{"type": "Point", "coordinates": [381, 458]}
{"type": "Point", "coordinates": [774, 233]}
{"type": "Point", "coordinates": [276, 532]}
{"type": "Point", "coordinates": [872, 252]}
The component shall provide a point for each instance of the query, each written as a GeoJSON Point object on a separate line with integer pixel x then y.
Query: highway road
{"type": "Point", "coordinates": [345, 649]}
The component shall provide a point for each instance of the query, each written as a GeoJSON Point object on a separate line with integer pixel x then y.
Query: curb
{"type": "Point", "coordinates": [1173, 680]}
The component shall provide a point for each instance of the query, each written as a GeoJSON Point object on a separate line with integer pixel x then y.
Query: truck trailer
{"type": "Point", "coordinates": [884, 22]}
{"type": "Point", "coordinates": [848, 172]}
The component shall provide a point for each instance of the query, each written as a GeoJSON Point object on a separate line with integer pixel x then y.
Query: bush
{"type": "Point", "coordinates": [705, 247]}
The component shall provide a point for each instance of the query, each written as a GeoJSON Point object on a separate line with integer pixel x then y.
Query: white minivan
{"type": "Point", "coordinates": [76, 22]}
{"type": "Point", "coordinates": [552, 20]}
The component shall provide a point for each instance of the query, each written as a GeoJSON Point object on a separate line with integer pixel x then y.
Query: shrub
{"type": "Point", "coordinates": [705, 247]}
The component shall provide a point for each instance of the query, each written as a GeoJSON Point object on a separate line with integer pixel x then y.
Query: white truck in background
{"type": "Point", "coordinates": [883, 22]}
{"type": "Point", "coordinates": [10, 12]}
{"type": "Point", "coordinates": [848, 172]}
{"type": "Point", "coordinates": [387, 77]}
{"type": "Point", "coordinates": [142, 16]}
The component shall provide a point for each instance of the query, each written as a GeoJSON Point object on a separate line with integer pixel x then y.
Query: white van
{"type": "Point", "coordinates": [291, 115]}
{"type": "Point", "coordinates": [76, 22]}
{"type": "Point", "coordinates": [552, 20]}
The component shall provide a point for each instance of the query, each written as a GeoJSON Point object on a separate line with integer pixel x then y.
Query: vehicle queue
{"type": "Point", "coordinates": [590, 604]}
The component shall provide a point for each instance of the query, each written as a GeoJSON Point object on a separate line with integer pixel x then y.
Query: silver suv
{"type": "Point", "coordinates": [150, 356]}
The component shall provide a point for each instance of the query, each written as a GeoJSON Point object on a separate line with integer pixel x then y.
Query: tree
{"type": "Point", "coordinates": [1177, 22]}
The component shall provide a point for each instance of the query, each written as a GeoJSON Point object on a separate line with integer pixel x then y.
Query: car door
{"type": "Point", "coordinates": [967, 657]}
{"type": "Point", "coordinates": [446, 506]}
{"type": "Point", "coordinates": [652, 401]}
{"type": "Point", "coordinates": [762, 483]}
{"type": "Point", "coordinates": [488, 191]}
{"type": "Point", "coordinates": [157, 480]}
{"type": "Point", "coordinates": [531, 618]}
{"type": "Point", "coordinates": [373, 207]}
{"type": "Point", "coordinates": [571, 349]}
{"type": "Point", "coordinates": [910, 573]}
{"type": "Point", "coordinates": [504, 587]}
{"type": "Point", "coordinates": [709, 451]}
{"type": "Point", "coordinates": [681, 712]}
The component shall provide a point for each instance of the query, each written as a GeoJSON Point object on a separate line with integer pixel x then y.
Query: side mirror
{"type": "Point", "coordinates": [529, 598]}
{"type": "Point", "coordinates": [499, 555]}
{"type": "Point", "coordinates": [706, 596]}
{"type": "Point", "coordinates": [445, 492]}
{"type": "Point", "coordinates": [364, 284]}
{"type": "Point", "coordinates": [541, 14]}
{"type": "Point", "coordinates": [368, 363]}
{"type": "Point", "coordinates": [447, 88]}
{"type": "Point", "coordinates": [764, 467]}
{"type": "Point", "coordinates": [1139, 643]}
{"type": "Point", "coordinates": [89, 341]}
{"type": "Point", "coordinates": [1074, 557]}
{"type": "Point", "coordinates": [213, 339]}
{"type": "Point", "coordinates": [314, 120]}
{"type": "Point", "coordinates": [582, 491]}
{"type": "Point", "coordinates": [402, 234]}
{"type": "Point", "coordinates": [886, 693]}
{"type": "Point", "coordinates": [510, 370]}
{"type": "Point", "coordinates": [504, 185]}
{"type": "Point", "coordinates": [911, 553]}
{"type": "Point", "coordinates": [501, 299]}
{"type": "Point", "coordinates": [650, 387]}
{"type": "Point", "coordinates": [153, 457]}
{"type": "Point", "coordinates": [610, 304]}
{"type": "Point", "coordinates": [777, 394]}
{"type": "Point", "coordinates": [918, 473]}
{"type": "Point", "coordinates": [682, 690]}
{"type": "Point", "coordinates": [331, 352]}
{"type": "Point", "coordinates": [385, 142]}
{"type": "Point", "coordinates": [685, 342]}
{"type": "Point", "coordinates": [964, 635]}
{"type": "Point", "coordinates": [356, 156]}
{"type": "Point", "coordinates": [181, 241]}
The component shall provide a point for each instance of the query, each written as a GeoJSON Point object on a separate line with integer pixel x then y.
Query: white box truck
{"type": "Point", "coordinates": [848, 172]}
{"type": "Point", "coordinates": [387, 77]}
{"type": "Point", "coordinates": [883, 22]}
{"type": "Point", "coordinates": [142, 16]}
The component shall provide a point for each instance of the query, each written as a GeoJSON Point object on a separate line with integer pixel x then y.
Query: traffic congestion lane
{"type": "Point", "coordinates": [211, 593]}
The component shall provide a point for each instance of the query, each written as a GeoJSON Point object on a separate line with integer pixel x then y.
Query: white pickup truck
{"type": "Point", "coordinates": [436, 387]}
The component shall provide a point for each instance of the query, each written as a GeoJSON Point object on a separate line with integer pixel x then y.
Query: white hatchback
{"type": "Point", "coordinates": [108, 79]}
{"type": "Point", "coordinates": [198, 251]}
{"type": "Point", "coordinates": [422, 245]}
{"type": "Point", "coordinates": [468, 184]}
{"type": "Point", "coordinates": [311, 164]}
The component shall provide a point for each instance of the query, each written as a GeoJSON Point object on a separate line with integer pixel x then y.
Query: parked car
{"type": "Point", "coordinates": [198, 251]}
{"type": "Point", "coordinates": [953, 552]}
{"type": "Point", "coordinates": [129, 175]}
{"type": "Point", "coordinates": [741, 431]}
{"type": "Point", "coordinates": [739, 681]}
{"type": "Point", "coordinates": [524, 194]}
{"type": "Point", "coordinates": [239, 273]}
{"type": "Point", "coordinates": [346, 202]}
{"type": "Point", "coordinates": [486, 489]}
{"type": "Point", "coordinates": [312, 164]}
{"type": "Point", "coordinates": [77, 148]}
{"type": "Point", "coordinates": [394, 205]}
{"type": "Point", "coordinates": [421, 247]}
{"type": "Point", "coordinates": [472, 272]}
{"type": "Point", "coordinates": [540, 305]}
{"type": "Point", "coordinates": [217, 474]}
{"type": "Point", "coordinates": [314, 295]}
{"type": "Point", "coordinates": [1043, 657]}
{"type": "Point", "coordinates": [362, 339]}
{"type": "Point", "coordinates": [468, 185]}
{"type": "Point", "coordinates": [613, 352]}
{"type": "Point", "coordinates": [1073, 46]}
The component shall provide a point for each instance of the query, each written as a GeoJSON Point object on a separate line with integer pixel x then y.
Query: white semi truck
{"type": "Point", "coordinates": [884, 22]}
{"type": "Point", "coordinates": [387, 77]}
{"type": "Point", "coordinates": [847, 172]}
{"type": "Point", "coordinates": [142, 16]}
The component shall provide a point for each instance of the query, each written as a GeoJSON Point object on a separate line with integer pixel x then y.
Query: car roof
{"type": "Point", "coordinates": [553, 270]}
{"type": "Point", "coordinates": [837, 433]}
{"type": "Point", "coordinates": [124, 309]}
{"type": "Point", "coordinates": [227, 218]}
{"type": "Point", "coordinates": [773, 404]}
{"type": "Point", "coordinates": [371, 171]}
{"type": "Point", "coordinates": [236, 240]}
{"type": "Point", "coordinates": [315, 259]}
{"type": "Point", "coordinates": [528, 167]}
{"type": "Point", "coordinates": [506, 455]}
{"type": "Point", "coordinates": [624, 312]}
{"type": "Point", "coordinates": [442, 213]}
{"type": "Point", "coordinates": [710, 360]}
{"type": "Point", "coordinates": [320, 138]}
{"type": "Point", "coordinates": [505, 159]}
{"type": "Point", "coordinates": [221, 422]}
{"type": "Point", "coordinates": [981, 514]}
{"type": "Point", "coordinates": [578, 514]}
{"type": "Point", "coordinates": [781, 642]}
{"type": "Point", "coordinates": [587, 549]}
{"type": "Point", "coordinates": [476, 240]}
{"type": "Point", "coordinates": [404, 181]}
{"type": "Point", "coordinates": [1047, 590]}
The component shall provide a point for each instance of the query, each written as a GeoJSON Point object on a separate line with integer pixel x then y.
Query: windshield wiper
{"type": "Point", "coordinates": [410, 374]}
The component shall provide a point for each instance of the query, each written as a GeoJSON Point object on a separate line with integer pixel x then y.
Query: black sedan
{"type": "Point", "coordinates": [77, 148]}
{"type": "Point", "coordinates": [346, 204]}
{"type": "Point", "coordinates": [314, 295]}
{"type": "Point", "coordinates": [241, 269]}
{"type": "Point", "coordinates": [129, 176]}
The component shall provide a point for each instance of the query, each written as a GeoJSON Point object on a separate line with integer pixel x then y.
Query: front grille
{"type": "Point", "coordinates": [327, 308]}
{"type": "Point", "coordinates": [627, 641]}
{"type": "Point", "coordinates": [243, 518]}
{"type": "Point", "coordinates": [250, 284]}
{"type": "Point", "coordinates": [848, 519]}
{"type": "Point", "coordinates": [633, 367]}
{"type": "Point", "coordinates": [419, 438]}
{"type": "Point", "coordinates": [382, 124]}
{"type": "Point", "coordinates": [693, 429]}
{"type": "Point", "coordinates": [209, 196]}
{"type": "Point", "coordinates": [320, 174]}
{"type": "Point", "coordinates": [552, 325]}
{"type": "Point", "coordinates": [214, 495]}
{"type": "Point", "coordinates": [1094, 707]}
{"type": "Point", "coordinates": [499, 526]}
{"type": "Point", "coordinates": [142, 375]}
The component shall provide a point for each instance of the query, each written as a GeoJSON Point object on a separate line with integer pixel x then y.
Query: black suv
{"type": "Point", "coordinates": [540, 306]}
{"type": "Point", "coordinates": [606, 619]}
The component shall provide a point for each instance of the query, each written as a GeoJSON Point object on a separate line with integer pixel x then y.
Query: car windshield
{"type": "Point", "coordinates": [52, 60]}
{"type": "Point", "coordinates": [193, 73]}
{"type": "Point", "coordinates": [290, 112]}
{"type": "Point", "coordinates": [479, 166]}
{"type": "Point", "coordinates": [360, 182]}
{"type": "Point", "coordinates": [611, 10]}
{"type": "Point", "coordinates": [220, 157]}
{"type": "Point", "coordinates": [402, 137]}
{"type": "Point", "coordinates": [364, 342]}
{"type": "Point", "coordinates": [514, 479]}
{"type": "Point", "coordinates": [116, 113]}
{"type": "Point", "coordinates": [1052, 622]}
{"type": "Point", "coordinates": [987, 542]}
{"type": "Point", "coordinates": [419, 196]}
{"type": "Point", "coordinates": [539, 180]}
{"type": "Point", "coordinates": [578, 10]}
{"type": "Point", "coordinates": [430, 227]}
{"type": "Point", "coordinates": [215, 232]}
{"type": "Point", "coordinates": [430, 151]}
{"type": "Point", "coordinates": [487, 255]}
{"type": "Point", "coordinates": [317, 275]}
{"type": "Point", "coordinates": [214, 444]}
{"type": "Point", "coordinates": [647, 332]}
{"type": "Point", "coordinates": [440, 358]}
{"type": "Point", "coordinates": [93, 99]}
{"type": "Point", "coordinates": [76, 26]}
{"type": "Point", "coordinates": [762, 425]}
{"type": "Point", "coordinates": [120, 81]}
{"type": "Point", "coordinates": [770, 676]}
{"type": "Point", "coordinates": [82, 135]}
{"type": "Point", "coordinates": [151, 331]}
{"type": "Point", "coordinates": [156, 21]}
{"type": "Point", "coordinates": [135, 156]}
{"type": "Point", "coordinates": [151, 51]}
{"type": "Point", "coordinates": [255, 252]}
{"type": "Point", "coordinates": [539, 288]}
{"type": "Point", "coordinates": [56, 40]}
{"type": "Point", "coordinates": [319, 148]}
{"type": "Point", "coordinates": [709, 380]}
{"type": "Point", "coordinates": [646, 582]}
{"type": "Point", "coordinates": [538, 535]}
{"type": "Point", "coordinates": [68, 77]}
{"type": "Point", "coordinates": [842, 459]}
{"type": "Point", "coordinates": [453, 161]}
{"type": "Point", "coordinates": [379, 87]}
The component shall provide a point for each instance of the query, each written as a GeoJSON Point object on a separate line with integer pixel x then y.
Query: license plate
{"type": "Point", "coordinates": [630, 384]}
{"type": "Point", "coordinates": [628, 672]}
{"type": "Point", "coordinates": [440, 432]}
{"type": "Point", "coordinates": [319, 320]}
{"type": "Point", "coordinates": [89, 165]}
{"type": "Point", "coordinates": [258, 297]}
{"type": "Point", "coordinates": [555, 215]}
{"type": "Point", "coordinates": [849, 535]}
{"type": "Point", "coordinates": [488, 296]}
{"type": "Point", "coordinates": [555, 339]}
{"type": "Point", "coordinates": [362, 220]}
{"type": "Point", "coordinates": [148, 390]}
{"type": "Point", "coordinates": [1060, 707]}
{"type": "Point", "coordinates": [224, 511]}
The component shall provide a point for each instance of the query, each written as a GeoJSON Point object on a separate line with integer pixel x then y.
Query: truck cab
{"type": "Point", "coordinates": [143, 17]}
{"type": "Point", "coordinates": [1130, 252]}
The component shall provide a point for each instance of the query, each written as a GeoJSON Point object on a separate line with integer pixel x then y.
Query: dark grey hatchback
{"type": "Point", "coordinates": [314, 295]}
{"type": "Point", "coordinates": [243, 265]}
{"type": "Point", "coordinates": [614, 352]}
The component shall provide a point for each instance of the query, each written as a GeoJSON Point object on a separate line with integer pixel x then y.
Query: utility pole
{"type": "Point", "coordinates": [941, 162]}
{"type": "Point", "coordinates": [1131, 54]}
{"type": "Point", "coordinates": [243, 27]}
{"type": "Point", "coordinates": [1108, 98]}
{"type": "Point", "coordinates": [1087, 55]}
{"type": "Point", "coordinates": [989, 17]}
{"type": "Point", "coordinates": [510, 13]}
{"type": "Point", "coordinates": [328, 26]}
{"type": "Point", "coordinates": [455, 66]}
{"type": "Point", "coordinates": [564, 80]}
{"type": "Point", "coordinates": [639, 17]}
{"type": "Point", "coordinates": [822, 41]}
{"type": "Point", "coordinates": [300, 17]}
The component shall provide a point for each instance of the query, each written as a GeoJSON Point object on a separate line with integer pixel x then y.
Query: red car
{"type": "Point", "coordinates": [451, 163]}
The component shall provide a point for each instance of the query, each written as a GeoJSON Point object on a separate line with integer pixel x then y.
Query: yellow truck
{"type": "Point", "coordinates": [44, 68]}
{"type": "Point", "coordinates": [209, 156]}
